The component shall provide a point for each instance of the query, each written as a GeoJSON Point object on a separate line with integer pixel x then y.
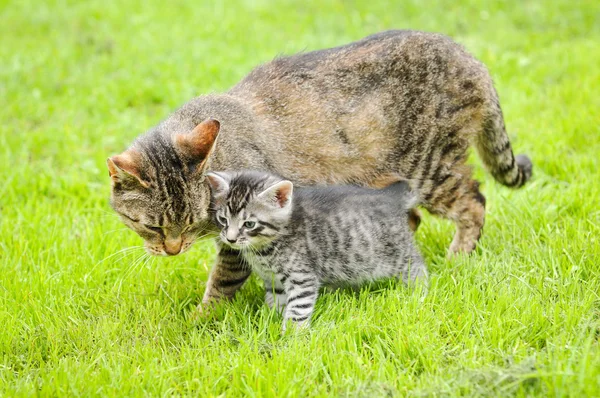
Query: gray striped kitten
{"type": "Point", "coordinates": [299, 240]}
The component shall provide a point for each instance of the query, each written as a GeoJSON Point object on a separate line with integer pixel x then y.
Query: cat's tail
{"type": "Point", "coordinates": [496, 152]}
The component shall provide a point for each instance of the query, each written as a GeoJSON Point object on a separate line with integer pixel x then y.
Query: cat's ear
{"type": "Point", "coordinates": [219, 183]}
{"type": "Point", "coordinates": [278, 195]}
{"type": "Point", "coordinates": [126, 168]}
{"type": "Point", "coordinates": [198, 144]}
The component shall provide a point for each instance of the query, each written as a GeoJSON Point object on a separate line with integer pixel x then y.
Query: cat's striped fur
{"type": "Point", "coordinates": [400, 103]}
{"type": "Point", "coordinates": [298, 240]}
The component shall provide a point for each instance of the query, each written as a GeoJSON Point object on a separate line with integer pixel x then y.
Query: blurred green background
{"type": "Point", "coordinates": [80, 79]}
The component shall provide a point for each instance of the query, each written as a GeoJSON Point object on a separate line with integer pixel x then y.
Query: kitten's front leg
{"type": "Point", "coordinates": [275, 294]}
{"type": "Point", "coordinates": [226, 277]}
{"type": "Point", "coordinates": [302, 290]}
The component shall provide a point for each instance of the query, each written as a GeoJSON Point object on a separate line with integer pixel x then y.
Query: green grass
{"type": "Point", "coordinates": [79, 80]}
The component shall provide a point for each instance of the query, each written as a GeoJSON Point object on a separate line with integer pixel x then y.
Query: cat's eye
{"type": "Point", "coordinates": [222, 220]}
{"type": "Point", "coordinates": [249, 224]}
{"type": "Point", "coordinates": [129, 218]}
{"type": "Point", "coordinates": [153, 228]}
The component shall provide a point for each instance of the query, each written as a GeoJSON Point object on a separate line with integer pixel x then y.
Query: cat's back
{"type": "Point", "coordinates": [371, 59]}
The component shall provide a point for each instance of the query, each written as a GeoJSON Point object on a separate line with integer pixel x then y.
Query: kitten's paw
{"type": "Point", "coordinates": [290, 326]}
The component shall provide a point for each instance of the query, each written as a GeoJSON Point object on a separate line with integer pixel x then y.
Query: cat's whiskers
{"type": "Point", "coordinates": [131, 269]}
{"type": "Point", "coordinates": [139, 261]}
{"type": "Point", "coordinates": [126, 251]}
{"type": "Point", "coordinates": [115, 230]}
{"type": "Point", "coordinates": [106, 212]}
{"type": "Point", "coordinates": [121, 253]}
{"type": "Point", "coordinates": [204, 236]}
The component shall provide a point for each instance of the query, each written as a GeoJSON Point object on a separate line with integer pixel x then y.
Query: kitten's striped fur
{"type": "Point", "coordinates": [297, 242]}
{"type": "Point", "coordinates": [400, 103]}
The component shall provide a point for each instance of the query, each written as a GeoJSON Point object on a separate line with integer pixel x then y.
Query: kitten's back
{"type": "Point", "coordinates": [397, 197]}
{"type": "Point", "coordinates": [350, 234]}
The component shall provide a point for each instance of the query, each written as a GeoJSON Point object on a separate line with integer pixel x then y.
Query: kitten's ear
{"type": "Point", "coordinates": [126, 167]}
{"type": "Point", "coordinates": [219, 183]}
{"type": "Point", "coordinates": [199, 143]}
{"type": "Point", "coordinates": [278, 195]}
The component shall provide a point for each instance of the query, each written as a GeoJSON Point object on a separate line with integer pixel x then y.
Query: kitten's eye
{"type": "Point", "coordinates": [249, 224]}
{"type": "Point", "coordinates": [130, 219]}
{"type": "Point", "coordinates": [153, 228]}
{"type": "Point", "coordinates": [222, 220]}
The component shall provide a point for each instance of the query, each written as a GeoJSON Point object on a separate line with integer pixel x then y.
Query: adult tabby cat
{"type": "Point", "coordinates": [299, 239]}
{"type": "Point", "coordinates": [401, 103]}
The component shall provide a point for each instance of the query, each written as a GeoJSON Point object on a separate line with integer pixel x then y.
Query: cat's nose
{"type": "Point", "coordinates": [173, 246]}
{"type": "Point", "coordinates": [231, 240]}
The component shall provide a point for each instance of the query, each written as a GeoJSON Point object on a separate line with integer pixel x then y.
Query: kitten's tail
{"type": "Point", "coordinates": [401, 190]}
{"type": "Point", "coordinates": [496, 152]}
{"type": "Point", "coordinates": [397, 187]}
{"type": "Point", "coordinates": [408, 199]}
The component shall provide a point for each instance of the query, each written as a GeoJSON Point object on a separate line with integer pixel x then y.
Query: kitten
{"type": "Point", "coordinates": [299, 239]}
{"type": "Point", "coordinates": [399, 102]}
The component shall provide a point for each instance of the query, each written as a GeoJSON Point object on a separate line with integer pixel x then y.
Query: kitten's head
{"type": "Point", "coordinates": [250, 208]}
{"type": "Point", "coordinates": [158, 189]}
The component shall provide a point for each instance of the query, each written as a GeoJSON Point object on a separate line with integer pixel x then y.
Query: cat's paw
{"type": "Point", "coordinates": [461, 246]}
{"type": "Point", "coordinates": [460, 249]}
{"type": "Point", "coordinates": [203, 310]}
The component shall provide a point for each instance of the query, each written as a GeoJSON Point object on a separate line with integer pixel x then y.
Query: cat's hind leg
{"type": "Point", "coordinates": [459, 200]}
{"type": "Point", "coordinates": [414, 219]}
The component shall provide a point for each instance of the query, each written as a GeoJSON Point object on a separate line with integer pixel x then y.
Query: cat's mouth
{"type": "Point", "coordinates": [176, 246]}
{"type": "Point", "coordinates": [164, 251]}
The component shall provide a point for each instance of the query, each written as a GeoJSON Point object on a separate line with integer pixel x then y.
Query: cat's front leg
{"type": "Point", "coordinates": [302, 290]}
{"type": "Point", "coordinates": [275, 294]}
{"type": "Point", "coordinates": [226, 277]}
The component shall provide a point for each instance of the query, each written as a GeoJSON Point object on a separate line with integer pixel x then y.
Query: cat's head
{"type": "Point", "coordinates": [251, 209]}
{"type": "Point", "coordinates": [158, 189]}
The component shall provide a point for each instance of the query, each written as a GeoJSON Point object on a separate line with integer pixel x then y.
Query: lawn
{"type": "Point", "coordinates": [81, 317]}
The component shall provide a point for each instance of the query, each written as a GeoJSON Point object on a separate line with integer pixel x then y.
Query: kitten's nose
{"type": "Point", "coordinates": [173, 246]}
{"type": "Point", "coordinates": [231, 235]}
